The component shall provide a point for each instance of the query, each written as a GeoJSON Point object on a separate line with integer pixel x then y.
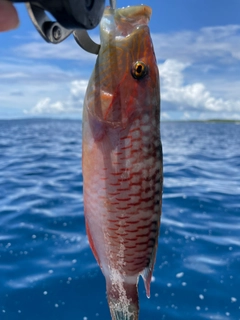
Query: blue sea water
{"type": "Point", "coordinates": [47, 270]}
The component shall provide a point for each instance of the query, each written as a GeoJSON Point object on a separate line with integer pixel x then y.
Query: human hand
{"type": "Point", "coordinates": [8, 16]}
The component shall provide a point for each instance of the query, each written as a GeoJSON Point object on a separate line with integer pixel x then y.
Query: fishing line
{"type": "Point", "coordinates": [113, 4]}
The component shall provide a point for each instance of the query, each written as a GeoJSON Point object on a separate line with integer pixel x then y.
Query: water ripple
{"type": "Point", "coordinates": [47, 270]}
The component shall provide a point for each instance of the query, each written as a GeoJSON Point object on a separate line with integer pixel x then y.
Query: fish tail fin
{"type": "Point", "coordinates": [123, 300]}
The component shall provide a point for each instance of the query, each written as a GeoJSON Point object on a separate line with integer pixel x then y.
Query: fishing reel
{"type": "Point", "coordinates": [72, 16]}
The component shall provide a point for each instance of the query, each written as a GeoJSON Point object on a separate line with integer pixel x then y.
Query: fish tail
{"type": "Point", "coordinates": [123, 300]}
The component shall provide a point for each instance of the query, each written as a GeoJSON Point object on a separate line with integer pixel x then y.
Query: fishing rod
{"type": "Point", "coordinates": [72, 16]}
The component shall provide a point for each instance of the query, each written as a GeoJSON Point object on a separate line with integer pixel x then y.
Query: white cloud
{"type": "Point", "coordinates": [220, 43]}
{"type": "Point", "coordinates": [191, 96]}
{"type": "Point", "coordinates": [28, 72]}
{"type": "Point", "coordinates": [67, 50]}
{"type": "Point", "coordinates": [78, 88]}
{"type": "Point", "coordinates": [199, 75]}
{"type": "Point", "coordinates": [210, 44]}
{"type": "Point", "coordinates": [39, 89]}
{"type": "Point", "coordinates": [72, 104]}
{"type": "Point", "coordinates": [165, 116]}
{"type": "Point", "coordinates": [45, 106]}
{"type": "Point", "coordinates": [171, 73]}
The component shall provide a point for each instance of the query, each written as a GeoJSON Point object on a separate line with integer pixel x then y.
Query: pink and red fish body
{"type": "Point", "coordinates": [122, 157]}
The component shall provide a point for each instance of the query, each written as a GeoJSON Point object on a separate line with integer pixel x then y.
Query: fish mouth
{"type": "Point", "coordinates": [123, 22]}
{"type": "Point", "coordinates": [134, 14]}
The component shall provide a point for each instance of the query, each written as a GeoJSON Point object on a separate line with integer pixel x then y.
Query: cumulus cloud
{"type": "Point", "coordinates": [72, 104]}
{"type": "Point", "coordinates": [190, 96]}
{"type": "Point", "coordinates": [45, 106]}
{"type": "Point", "coordinates": [39, 89]}
{"type": "Point", "coordinates": [78, 88]}
{"type": "Point", "coordinates": [199, 75]}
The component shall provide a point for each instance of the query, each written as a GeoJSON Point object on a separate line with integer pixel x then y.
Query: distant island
{"type": "Point", "coordinates": [221, 120]}
{"type": "Point", "coordinates": [206, 121]}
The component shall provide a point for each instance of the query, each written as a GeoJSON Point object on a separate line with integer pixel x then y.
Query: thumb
{"type": "Point", "coordinates": [8, 16]}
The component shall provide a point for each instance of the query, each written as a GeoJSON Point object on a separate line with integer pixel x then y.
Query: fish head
{"type": "Point", "coordinates": [125, 81]}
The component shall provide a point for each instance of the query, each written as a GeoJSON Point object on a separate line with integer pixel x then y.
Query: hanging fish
{"type": "Point", "coordinates": [122, 157]}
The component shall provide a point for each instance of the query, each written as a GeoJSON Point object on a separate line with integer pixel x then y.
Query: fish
{"type": "Point", "coordinates": [122, 157]}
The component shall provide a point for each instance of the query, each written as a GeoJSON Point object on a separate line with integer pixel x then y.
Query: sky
{"type": "Point", "coordinates": [197, 45]}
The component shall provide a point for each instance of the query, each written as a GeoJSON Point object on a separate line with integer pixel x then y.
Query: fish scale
{"type": "Point", "coordinates": [122, 160]}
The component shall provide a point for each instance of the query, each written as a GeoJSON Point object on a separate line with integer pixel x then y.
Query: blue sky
{"type": "Point", "coordinates": [197, 44]}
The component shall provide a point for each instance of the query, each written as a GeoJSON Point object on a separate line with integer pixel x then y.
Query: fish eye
{"type": "Point", "coordinates": [139, 70]}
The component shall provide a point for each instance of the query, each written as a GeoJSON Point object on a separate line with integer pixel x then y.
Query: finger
{"type": "Point", "coordinates": [8, 16]}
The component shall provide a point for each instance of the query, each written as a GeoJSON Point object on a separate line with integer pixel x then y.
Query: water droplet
{"type": "Point", "coordinates": [180, 275]}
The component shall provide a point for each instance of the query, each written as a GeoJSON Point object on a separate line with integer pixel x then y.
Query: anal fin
{"type": "Point", "coordinates": [147, 277]}
{"type": "Point", "coordinates": [148, 271]}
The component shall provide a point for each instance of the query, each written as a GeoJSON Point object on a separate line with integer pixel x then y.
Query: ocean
{"type": "Point", "coordinates": [47, 270]}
